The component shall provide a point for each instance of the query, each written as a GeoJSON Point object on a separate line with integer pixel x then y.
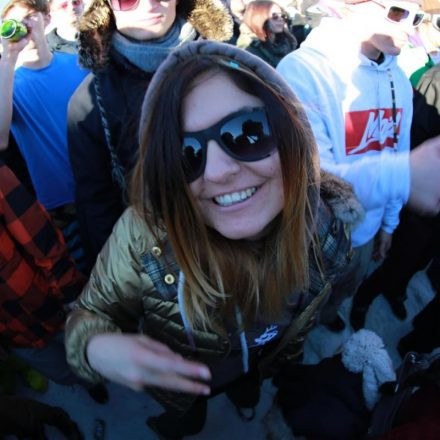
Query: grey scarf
{"type": "Point", "coordinates": [148, 55]}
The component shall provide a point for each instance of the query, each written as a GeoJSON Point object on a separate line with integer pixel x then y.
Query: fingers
{"type": "Point", "coordinates": [152, 344]}
{"type": "Point", "coordinates": [138, 361]}
{"type": "Point", "coordinates": [165, 369]}
{"type": "Point", "coordinates": [162, 357]}
{"type": "Point", "coordinates": [172, 363]}
{"type": "Point", "coordinates": [174, 382]}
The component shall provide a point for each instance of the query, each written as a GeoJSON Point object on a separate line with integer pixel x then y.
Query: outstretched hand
{"type": "Point", "coordinates": [424, 195]}
{"type": "Point", "coordinates": [138, 361]}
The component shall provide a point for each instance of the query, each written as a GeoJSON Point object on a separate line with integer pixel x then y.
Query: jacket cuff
{"type": "Point", "coordinates": [80, 327]}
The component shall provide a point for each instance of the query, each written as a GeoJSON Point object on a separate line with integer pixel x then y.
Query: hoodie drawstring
{"type": "Point", "coordinates": [188, 329]}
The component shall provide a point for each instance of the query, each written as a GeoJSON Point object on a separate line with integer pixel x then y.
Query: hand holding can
{"type": "Point", "coordinates": [13, 30]}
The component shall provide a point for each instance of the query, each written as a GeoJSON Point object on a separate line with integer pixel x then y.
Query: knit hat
{"type": "Point", "coordinates": [210, 19]}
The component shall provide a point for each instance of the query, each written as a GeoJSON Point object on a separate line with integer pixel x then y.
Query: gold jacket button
{"type": "Point", "coordinates": [169, 279]}
{"type": "Point", "coordinates": [157, 251]}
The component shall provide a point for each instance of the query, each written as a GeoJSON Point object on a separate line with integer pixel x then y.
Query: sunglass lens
{"type": "Point", "coordinates": [124, 5]}
{"type": "Point", "coordinates": [397, 14]}
{"type": "Point", "coordinates": [418, 19]}
{"type": "Point", "coordinates": [248, 137]}
{"type": "Point", "coordinates": [436, 21]}
{"type": "Point", "coordinates": [192, 153]}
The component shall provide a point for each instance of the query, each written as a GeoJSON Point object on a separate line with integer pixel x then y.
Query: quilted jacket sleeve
{"type": "Point", "coordinates": [112, 299]}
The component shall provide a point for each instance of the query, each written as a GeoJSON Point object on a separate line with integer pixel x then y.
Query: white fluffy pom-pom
{"type": "Point", "coordinates": [365, 353]}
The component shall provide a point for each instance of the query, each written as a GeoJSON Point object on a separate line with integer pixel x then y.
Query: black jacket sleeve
{"type": "Point", "coordinates": [426, 119]}
{"type": "Point", "coordinates": [99, 200]}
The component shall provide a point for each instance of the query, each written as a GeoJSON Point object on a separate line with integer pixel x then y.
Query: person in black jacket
{"type": "Point", "coordinates": [123, 42]}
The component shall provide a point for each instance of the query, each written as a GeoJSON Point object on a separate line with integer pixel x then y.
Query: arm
{"type": "Point", "coordinates": [98, 198]}
{"type": "Point", "coordinates": [112, 303]}
{"type": "Point", "coordinates": [30, 226]}
{"type": "Point", "coordinates": [425, 158]}
{"type": "Point", "coordinates": [8, 62]}
{"type": "Point", "coordinates": [425, 178]}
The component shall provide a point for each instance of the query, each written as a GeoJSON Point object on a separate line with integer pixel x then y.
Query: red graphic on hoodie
{"type": "Point", "coordinates": [370, 130]}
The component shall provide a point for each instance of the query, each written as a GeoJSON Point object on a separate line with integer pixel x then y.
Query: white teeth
{"type": "Point", "coordinates": [235, 197]}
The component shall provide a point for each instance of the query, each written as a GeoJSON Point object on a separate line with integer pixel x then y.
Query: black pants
{"type": "Point", "coordinates": [415, 242]}
{"type": "Point", "coordinates": [243, 392]}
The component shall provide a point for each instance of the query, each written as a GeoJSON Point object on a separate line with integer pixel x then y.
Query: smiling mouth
{"type": "Point", "coordinates": [235, 197]}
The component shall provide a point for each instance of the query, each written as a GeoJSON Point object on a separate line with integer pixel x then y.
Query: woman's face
{"type": "Point", "coordinates": [237, 199]}
{"type": "Point", "coordinates": [275, 22]}
{"type": "Point", "coordinates": [149, 20]}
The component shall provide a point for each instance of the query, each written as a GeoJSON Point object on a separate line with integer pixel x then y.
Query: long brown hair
{"type": "Point", "coordinates": [256, 18]}
{"type": "Point", "coordinates": [222, 273]}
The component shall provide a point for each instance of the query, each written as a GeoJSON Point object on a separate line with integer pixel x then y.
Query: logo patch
{"type": "Point", "coordinates": [268, 334]}
{"type": "Point", "coordinates": [370, 130]}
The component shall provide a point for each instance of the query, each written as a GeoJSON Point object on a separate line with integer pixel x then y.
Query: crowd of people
{"type": "Point", "coordinates": [187, 188]}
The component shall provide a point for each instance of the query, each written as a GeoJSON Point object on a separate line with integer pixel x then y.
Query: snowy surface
{"type": "Point", "coordinates": [125, 414]}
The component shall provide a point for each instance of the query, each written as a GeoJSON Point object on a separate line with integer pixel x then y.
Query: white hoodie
{"type": "Point", "coordinates": [348, 101]}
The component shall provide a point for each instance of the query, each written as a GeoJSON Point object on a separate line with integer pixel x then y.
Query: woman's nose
{"type": "Point", "coordinates": [219, 165]}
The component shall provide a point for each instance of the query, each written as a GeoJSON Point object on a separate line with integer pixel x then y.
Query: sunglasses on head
{"type": "Point", "coordinates": [127, 5]}
{"type": "Point", "coordinates": [278, 16]}
{"type": "Point", "coordinates": [399, 14]}
{"type": "Point", "coordinates": [435, 20]}
{"type": "Point", "coordinates": [244, 135]}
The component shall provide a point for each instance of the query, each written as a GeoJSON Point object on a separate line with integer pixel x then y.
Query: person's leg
{"type": "Point", "coordinates": [413, 248]}
{"type": "Point", "coordinates": [425, 335]}
{"type": "Point", "coordinates": [350, 281]}
{"type": "Point", "coordinates": [171, 425]}
{"type": "Point", "coordinates": [410, 252]}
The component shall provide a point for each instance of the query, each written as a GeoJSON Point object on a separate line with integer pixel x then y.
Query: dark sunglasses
{"type": "Point", "coordinates": [277, 16]}
{"type": "Point", "coordinates": [435, 20]}
{"type": "Point", "coordinates": [244, 135]}
{"type": "Point", "coordinates": [398, 14]}
{"type": "Point", "coordinates": [127, 5]}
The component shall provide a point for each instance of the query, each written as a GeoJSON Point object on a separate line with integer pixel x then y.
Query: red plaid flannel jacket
{"type": "Point", "coordinates": [37, 276]}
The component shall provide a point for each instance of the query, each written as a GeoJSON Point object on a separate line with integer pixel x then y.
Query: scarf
{"type": "Point", "coordinates": [148, 55]}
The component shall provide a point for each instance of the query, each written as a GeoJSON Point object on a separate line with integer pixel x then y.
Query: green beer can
{"type": "Point", "coordinates": [13, 30]}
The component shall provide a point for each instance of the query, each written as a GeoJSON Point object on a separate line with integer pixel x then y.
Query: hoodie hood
{"type": "Point", "coordinates": [210, 19]}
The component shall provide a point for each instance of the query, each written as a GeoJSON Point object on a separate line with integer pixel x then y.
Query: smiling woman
{"type": "Point", "coordinates": [265, 33]}
{"type": "Point", "coordinates": [228, 249]}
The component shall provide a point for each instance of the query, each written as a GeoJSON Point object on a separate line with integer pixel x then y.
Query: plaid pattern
{"type": "Point", "coordinates": [157, 269]}
{"type": "Point", "coordinates": [37, 276]}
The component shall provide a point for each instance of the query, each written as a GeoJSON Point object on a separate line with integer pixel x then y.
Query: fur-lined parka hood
{"type": "Point", "coordinates": [210, 19]}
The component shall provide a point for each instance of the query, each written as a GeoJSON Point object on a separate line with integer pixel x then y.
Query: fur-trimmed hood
{"type": "Point", "coordinates": [210, 19]}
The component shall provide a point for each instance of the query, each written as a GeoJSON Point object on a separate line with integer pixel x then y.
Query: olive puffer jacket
{"type": "Point", "coordinates": [133, 288]}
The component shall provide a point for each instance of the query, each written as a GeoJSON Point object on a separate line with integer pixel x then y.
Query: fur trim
{"type": "Point", "coordinates": [210, 18]}
{"type": "Point", "coordinates": [340, 196]}
{"type": "Point", "coordinates": [95, 30]}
